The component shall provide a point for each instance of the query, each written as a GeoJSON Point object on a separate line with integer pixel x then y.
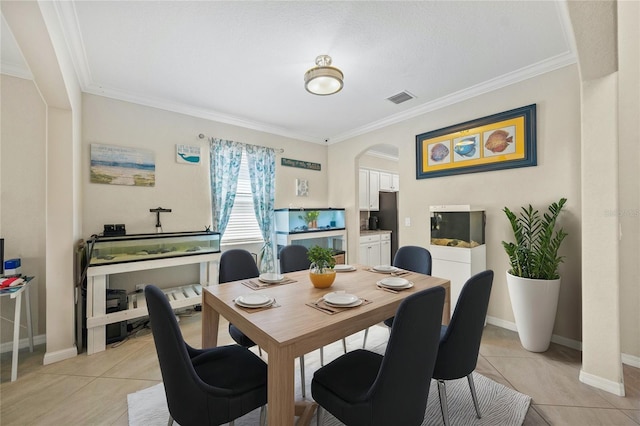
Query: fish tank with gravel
{"type": "Point", "coordinates": [138, 247]}
{"type": "Point", "coordinates": [457, 226]}
{"type": "Point", "coordinates": [293, 221]}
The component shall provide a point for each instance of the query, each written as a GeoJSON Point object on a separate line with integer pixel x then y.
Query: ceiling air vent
{"type": "Point", "coordinates": [400, 97]}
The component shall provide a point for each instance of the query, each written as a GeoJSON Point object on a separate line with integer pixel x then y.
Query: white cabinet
{"type": "Point", "coordinates": [374, 188]}
{"type": "Point", "coordinates": [370, 250]}
{"type": "Point", "coordinates": [457, 265]}
{"type": "Point", "coordinates": [395, 182]}
{"type": "Point", "coordinates": [385, 249]}
{"type": "Point", "coordinates": [368, 188]}
{"type": "Point", "coordinates": [389, 182]}
{"type": "Point", "coordinates": [375, 249]}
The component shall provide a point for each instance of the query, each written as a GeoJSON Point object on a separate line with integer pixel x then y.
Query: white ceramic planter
{"type": "Point", "coordinates": [534, 304]}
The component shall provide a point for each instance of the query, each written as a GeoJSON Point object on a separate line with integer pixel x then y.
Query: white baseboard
{"type": "Point", "coordinates": [51, 357]}
{"type": "Point", "coordinates": [602, 383]}
{"type": "Point", "coordinates": [628, 359]}
{"type": "Point", "coordinates": [502, 323]}
{"type": "Point", "coordinates": [41, 339]}
{"type": "Point", "coordinates": [570, 343]}
{"type": "Point", "coordinates": [631, 360]}
{"type": "Point", "coordinates": [23, 343]}
{"type": "Point", "coordinates": [574, 344]}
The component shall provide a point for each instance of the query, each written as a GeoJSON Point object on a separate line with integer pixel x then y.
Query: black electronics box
{"type": "Point", "coordinates": [114, 230]}
{"type": "Point", "coordinates": [116, 301]}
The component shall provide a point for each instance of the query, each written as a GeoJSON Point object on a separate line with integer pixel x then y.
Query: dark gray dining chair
{"type": "Point", "coordinates": [294, 258]}
{"type": "Point", "coordinates": [460, 340]}
{"type": "Point", "coordinates": [203, 386]}
{"type": "Point", "coordinates": [410, 258]}
{"type": "Point", "coordinates": [237, 264]}
{"type": "Point", "coordinates": [365, 388]}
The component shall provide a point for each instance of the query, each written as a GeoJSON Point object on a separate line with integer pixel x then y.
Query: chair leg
{"type": "Point", "coordinates": [170, 422]}
{"type": "Point", "coordinates": [364, 342]}
{"type": "Point", "coordinates": [473, 395]}
{"type": "Point", "coordinates": [321, 357]}
{"type": "Point", "coordinates": [302, 379]}
{"type": "Point", "coordinates": [318, 412]}
{"type": "Point", "coordinates": [263, 415]}
{"type": "Point", "coordinates": [442, 393]}
{"type": "Point", "coordinates": [259, 350]}
{"type": "Point", "coordinates": [344, 344]}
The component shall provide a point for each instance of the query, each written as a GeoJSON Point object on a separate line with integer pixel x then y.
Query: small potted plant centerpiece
{"type": "Point", "coordinates": [533, 279]}
{"type": "Point", "coordinates": [321, 271]}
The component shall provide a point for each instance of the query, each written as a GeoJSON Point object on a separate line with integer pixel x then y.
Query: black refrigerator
{"type": "Point", "coordinates": [388, 217]}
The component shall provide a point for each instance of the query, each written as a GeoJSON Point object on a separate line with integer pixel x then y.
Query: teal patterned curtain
{"type": "Point", "coordinates": [262, 171]}
{"type": "Point", "coordinates": [225, 157]}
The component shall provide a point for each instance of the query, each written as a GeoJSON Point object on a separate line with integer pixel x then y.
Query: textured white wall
{"type": "Point", "coordinates": [629, 174]}
{"type": "Point", "coordinates": [557, 175]}
{"type": "Point", "coordinates": [183, 188]}
{"type": "Point", "coordinates": [22, 205]}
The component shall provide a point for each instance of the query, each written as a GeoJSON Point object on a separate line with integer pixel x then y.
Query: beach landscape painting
{"type": "Point", "coordinates": [117, 165]}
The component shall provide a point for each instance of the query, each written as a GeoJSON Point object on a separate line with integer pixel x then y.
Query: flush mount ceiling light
{"type": "Point", "coordinates": [323, 79]}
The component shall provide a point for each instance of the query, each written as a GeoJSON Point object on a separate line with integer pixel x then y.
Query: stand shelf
{"type": "Point", "coordinates": [179, 297]}
{"type": "Point", "coordinates": [139, 253]}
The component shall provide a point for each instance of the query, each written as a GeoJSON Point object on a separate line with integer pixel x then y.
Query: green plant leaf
{"type": "Point", "coordinates": [535, 251]}
{"type": "Point", "coordinates": [321, 257]}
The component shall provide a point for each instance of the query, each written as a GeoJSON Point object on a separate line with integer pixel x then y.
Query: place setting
{"type": "Point", "coordinates": [344, 268]}
{"type": "Point", "coordinates": [388, 269]}
{"type": "Point", "coordinates": [255, 302]}
{"type": "Point", "coordinates": [268, 279]}
{"type": "Point", "coordinates": [394, 284]}
{"type": "Point", "coordinates": [337, 301]}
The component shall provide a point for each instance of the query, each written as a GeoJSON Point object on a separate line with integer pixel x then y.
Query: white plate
{"type": "Point", "coordinates": [393, 282]}
{"type": "Point", "coordinates": [254, 300]}
{"type": "Point", "coordinates": [385, 268]}
{"type": "Point", "coordinates": [340, 299]}
{"type": "Point", "coordinates": [344, 268]}
{"type": "Point", "coordinates": [350, 305]}
{"type": "Point", "coordinates": [270, 277]}
{"type": "Point", "coordinates": [409, 285]}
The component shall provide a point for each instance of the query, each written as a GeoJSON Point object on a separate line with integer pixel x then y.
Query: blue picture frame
{"type": "Point", "coordinates": [500, 141]}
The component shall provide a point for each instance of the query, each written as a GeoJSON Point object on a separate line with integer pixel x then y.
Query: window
{"type": "Point", "coordinates": [243, 226]}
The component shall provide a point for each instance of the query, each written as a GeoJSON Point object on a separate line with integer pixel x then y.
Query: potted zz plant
{"type": "Point", "coordinates": [321, 271]}
{"type": "Point", "coordinates": [533, 279]}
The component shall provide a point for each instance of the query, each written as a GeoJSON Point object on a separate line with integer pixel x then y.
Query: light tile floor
{"type": "Point", "coordinates": [92, 390]}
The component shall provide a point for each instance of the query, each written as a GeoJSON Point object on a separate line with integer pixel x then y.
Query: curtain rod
{"type": "Point", "coordinates": [278, 150]}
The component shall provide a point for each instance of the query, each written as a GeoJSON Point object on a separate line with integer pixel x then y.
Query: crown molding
{"type": "Point", "coordinates": [198, 112]}
{"type": "Point", "coordinates": [505, 80]}
{"type": "Point", "coordinates": [16, 71]}
{"type": "Point", "coordinates": [543, 67]}
{"type": "Point", "coordinates": [67, 14]}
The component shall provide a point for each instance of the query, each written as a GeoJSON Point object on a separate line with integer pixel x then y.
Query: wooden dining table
{"type": "Point", "coordinates": [293, 328]}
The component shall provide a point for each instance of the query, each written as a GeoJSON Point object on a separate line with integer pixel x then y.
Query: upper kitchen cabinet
{"type": "Point", "coordinates": [369, 186]}
{"type": "Point", "coordinates": [389, 182]}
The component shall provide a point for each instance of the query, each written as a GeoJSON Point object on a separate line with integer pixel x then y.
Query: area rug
{"type": "Point", "coordinates": [499, 404]}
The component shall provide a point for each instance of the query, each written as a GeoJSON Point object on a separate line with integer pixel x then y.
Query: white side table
{"type": "Point", "coordinates": [16, 293]}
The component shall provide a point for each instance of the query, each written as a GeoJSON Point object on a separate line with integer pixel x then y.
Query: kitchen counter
{"type": "Point", "coordinates": [374, 232]}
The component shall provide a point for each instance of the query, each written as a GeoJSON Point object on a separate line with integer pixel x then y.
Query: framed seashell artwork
{"type": "Point", "coordinates": [499, 141]}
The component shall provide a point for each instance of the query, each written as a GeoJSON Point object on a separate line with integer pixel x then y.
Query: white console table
{"type": "Point", "coordinates": [16, 293]}
{"type": "Point", "coordinates": [98, 281]}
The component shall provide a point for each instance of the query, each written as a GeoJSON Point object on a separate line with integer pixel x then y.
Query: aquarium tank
{"type": "Point", "coordinates": [291, 221]}
{"type": "Point", "coordinates": [138, 247]}
{"type": "Point", "coordinates": [457, 228]}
